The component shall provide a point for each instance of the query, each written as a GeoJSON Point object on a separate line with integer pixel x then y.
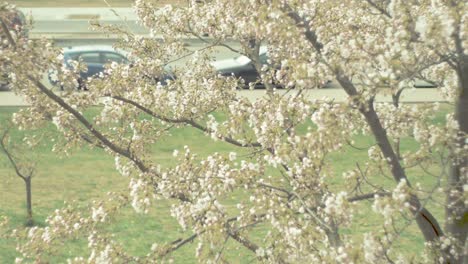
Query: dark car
{"type": "Point", "coordinates": [95, 57]}
{"type": "Point", "coordinates": [243, 67]}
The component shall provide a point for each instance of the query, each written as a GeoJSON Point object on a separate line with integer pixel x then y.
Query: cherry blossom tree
{"type": "Point", "coordinates": [370, 47]}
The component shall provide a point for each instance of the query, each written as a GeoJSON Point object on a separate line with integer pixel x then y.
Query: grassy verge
{"type": "Point", "coordinates": [88, 174]}
{"type": "Point", "coordinates": [83, 3]}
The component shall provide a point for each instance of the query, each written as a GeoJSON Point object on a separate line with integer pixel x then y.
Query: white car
{"type": "Point", "coordinates": [242, 66]}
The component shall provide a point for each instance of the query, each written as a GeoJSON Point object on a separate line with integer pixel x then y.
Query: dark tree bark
{"type": "Point", "coordinates": [427, 223]}
{"type": "Point", "coordinates": [456, 211]}
{"type": "Point", "coordinates": [25, 176]}
{"type": "Point", "coordinates": [29, 219]}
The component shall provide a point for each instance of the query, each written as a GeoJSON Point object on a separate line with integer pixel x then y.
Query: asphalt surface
{"type": "Point", "coordinates": [82, 27]}
{"type": "Point", "coordinates": [70, 27]}
{"type": "Point", "coordinates": [83, 13]}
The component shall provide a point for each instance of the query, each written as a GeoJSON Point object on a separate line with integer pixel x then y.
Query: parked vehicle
{"type": "Point", "coordinates": [95, 58]}
{"type": "Point", "coordinates": [243, 67]}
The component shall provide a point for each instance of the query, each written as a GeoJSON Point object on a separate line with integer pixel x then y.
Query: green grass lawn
{"type": "Point", "coordinates": [88, 174]}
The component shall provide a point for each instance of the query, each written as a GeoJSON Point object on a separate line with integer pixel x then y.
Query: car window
{"type": "Point", "coordinates": [72, 56]}
{"type": "Point", "coordinates": [263, 58]}
{"type": "Point", "coordinates": [114, 57]}
{"type": "Point", "coordinates": [89, 57]}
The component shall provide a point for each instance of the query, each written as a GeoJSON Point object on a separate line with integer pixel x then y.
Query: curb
{"type": "Point", "coordinates": [79, 13]}
{"type": "Point", "coordinates": [75, 36]}
{"type": "Point", "coordinates": [99, 36]}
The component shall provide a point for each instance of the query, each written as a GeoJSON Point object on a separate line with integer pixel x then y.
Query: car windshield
{"type": "Point", "coordinates": [114, 57]}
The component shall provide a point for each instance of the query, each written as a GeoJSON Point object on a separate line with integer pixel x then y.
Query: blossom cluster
{"type": "Point", "coordinates": [282, 161]}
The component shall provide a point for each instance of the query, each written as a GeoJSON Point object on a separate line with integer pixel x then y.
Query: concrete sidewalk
{"type": "Point", "coordinates": [10, 99]}
{"type": "Point", "coordinates": [409, 96]}
{"type": "Point", "coordinates": [64, 14]}
{"type": "Point", "coordinates": [58, 23]}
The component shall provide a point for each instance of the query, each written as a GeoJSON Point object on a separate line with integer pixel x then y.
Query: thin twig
{"type": "Point", "coordinates": [10, 156]}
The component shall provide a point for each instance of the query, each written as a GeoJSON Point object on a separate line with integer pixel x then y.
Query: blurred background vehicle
{"type": "Point", "coordinates": [94, 56]}
{"type": "Point", "coordinates": [242, 66]}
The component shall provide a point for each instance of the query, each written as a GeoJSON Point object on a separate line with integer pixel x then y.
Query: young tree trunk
{"type": "Point", "coordinates": [29, 217]}
{"type": "Point", "coordinates": [456, 211]}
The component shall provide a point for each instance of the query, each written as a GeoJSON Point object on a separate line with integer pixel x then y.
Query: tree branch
{"type": "Point", "coordinates": [7, 33]}
{"type": "Point", "coordinates": [89, 126]}
{"type": "Point", "coordinates": [10, 157]}
{"type": "Point", "coordinates": [244, 241]}
{"type": "Point", "coordinates": [426, 222]}
{"type": "Point", "coordinates": [183, 121]}
{"type": "Point", "coordinates": [176, 244]}
{"type": "Point", "coordinates": [380, 9]}
{"type": "Point", "coordinates": [303, 23]}
{"type": "Point", "coordinates": [367, 196]}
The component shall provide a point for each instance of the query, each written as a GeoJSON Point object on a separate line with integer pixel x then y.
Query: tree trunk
{"type": "Point", "coordinates": [427, 223]}
{"type": "Point", "coordinates": [456, 211]}
{"type": "Point", "coordinates": [29, 217]}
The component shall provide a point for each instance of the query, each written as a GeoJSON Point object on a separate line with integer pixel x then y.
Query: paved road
{"type": "Point", "coordinates": [7, 98]}
{"type": "Point", "coordinates": [72, 23]}
{"type": "Point", "coordinates": [64, 13]}
{"type": "Point", "coordinates": [10, 99]}
{"type": "Point", "coordinates": [51, 27]}
{"type": "Point", "coordinates": [68, 21]}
